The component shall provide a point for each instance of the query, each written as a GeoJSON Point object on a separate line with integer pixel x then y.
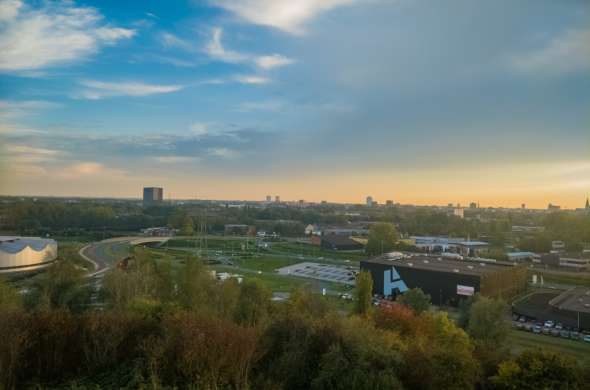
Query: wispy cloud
{"type": "Point", "coordinates": [286, 15]}
{"type": "Point", "coordinates": [199, 129]}
{"type": "Point", "coordinates": [266, 105]}
{"type": "Point", "coordinates": [10, 109]}
{"type": "Point", "coordinates": [170, 40]}
{"type": "Point", "coordinates": [57, 33]}
{"type": "Point", "coordinates": [216, 50]}
{"type": "Point", "coordinates": [566, 53]}
{"type": "Point", "coordinates": [100, 89]}
{"type": "Point", "coordinates": [83, 169]}
{"type": "Point", "coordinates": [175, 159]}
{"type": "Point", "coordinates": [30, 154]}
{"type": "Point", "coordinates": [9, 9]}
{"type": "Point", "coordinates": [273, 61]}
{"type": "Point", "coordinates": [225, 153]}
{"type": "Point", "coordinates": [252, 79]}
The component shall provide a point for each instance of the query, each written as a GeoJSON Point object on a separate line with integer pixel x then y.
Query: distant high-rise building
{"type": "Point", "coordinates": [268, 198]}
{"type": "Point", "coordinates": [587, 204]}
{"type": "Point", "coordinates": [369, 201]}
{"type": "Point", "coordinates": [553, 207]}
{"type": "Point", "coordinates": [472, 205]}
{"type": "Point", "coordinates": [523, 206]}
{"type": "Point", "coordinates": [278, 199]}
{"type": "Point", "coordinates": [389, 202]}
{"type": "Point", "coordinates": [153, 195]}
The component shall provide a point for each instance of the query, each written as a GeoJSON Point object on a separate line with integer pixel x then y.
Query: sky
{"type": "Point", "coordinates": [418, 101]}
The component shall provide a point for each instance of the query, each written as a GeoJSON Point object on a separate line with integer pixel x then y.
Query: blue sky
{"type": "Point", "coordinates": [420, 101]}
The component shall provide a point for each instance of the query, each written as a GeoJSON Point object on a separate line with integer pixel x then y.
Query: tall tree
{"type": "Point", "coordinates": [487, 323]}
{"type": "Point", "coordinates": [188, 227]}
{"type": "Point", "coordinates": [416, 299]}
{"type": "Point", "coordinates": [382, 238]}
{"type": "Point", "coordinates": [363, 293]}
{"type": "Point", "coordinates": [538, 369]}
{"type": "Point", "coordinates": [253, 304]}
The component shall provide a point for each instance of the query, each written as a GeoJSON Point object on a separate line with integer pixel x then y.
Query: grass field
{"type": "Point", "coordinates": [246, 245]}
{"type": "Point", "coordinates": [265, 263]}
{"type": "Point", "coordinates": [582, 279]}
{"type": "Point", "coordinates": [520, 340]}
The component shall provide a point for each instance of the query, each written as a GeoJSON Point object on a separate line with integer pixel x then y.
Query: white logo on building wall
{"type": "Point", "coordinates": [465, 290]}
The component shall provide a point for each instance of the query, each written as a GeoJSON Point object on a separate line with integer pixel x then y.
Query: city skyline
{"type": "Point", "coordinates": [329, 100]}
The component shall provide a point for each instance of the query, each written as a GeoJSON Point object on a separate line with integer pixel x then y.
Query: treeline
{"type": "Point", "coordinates": [57, 218]}
{"type": "Point", "coordinates": [177, 327]}
{"type": "Point", "coordinates": [104, 219]}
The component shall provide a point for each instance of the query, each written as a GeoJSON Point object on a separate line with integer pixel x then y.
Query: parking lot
{"type": "Point", "coordinates": [550, 328]}
{"type": "Point", "coordinates": [325, 272]}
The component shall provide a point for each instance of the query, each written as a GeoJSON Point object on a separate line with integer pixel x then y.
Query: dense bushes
{"type": "Point", "coordinates": [180, 328]}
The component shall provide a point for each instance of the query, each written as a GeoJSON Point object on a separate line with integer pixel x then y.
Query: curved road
{"type": "Point", "coordinates": [105, 254]}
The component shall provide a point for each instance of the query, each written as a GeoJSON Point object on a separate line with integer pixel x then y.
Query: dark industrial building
{"type": "Point", "coordinates": [571, 308]}
{"type": "Point", "coordinates": [446, 280]}
{"type": "Point", "coordinates": [153, 195]}
{"type": "Point", "coordinates": [340, 243]}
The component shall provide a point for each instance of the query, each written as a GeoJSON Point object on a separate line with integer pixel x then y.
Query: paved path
{"type": "Point", "coordinates": [105, 254]}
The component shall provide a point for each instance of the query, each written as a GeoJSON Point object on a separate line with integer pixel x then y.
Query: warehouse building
{"type": "Point", "coordinates": [340, 243]}
{"type": "Point", "coordinates": [446, 280]}
{"type": "Point", "coordinates": [20, 254]}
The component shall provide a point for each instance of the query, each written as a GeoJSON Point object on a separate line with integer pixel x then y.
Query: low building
{"type": "Point", "coordinates": [473, 248]}
{"type": "Point", "coordinates": [21, 254]}
{"type": "Point", "coordinates": [346, 231]}
{"type": "Point", "coordinates": [558, 245]}
{"type": "Point", "coordinates": [339, 243]}
{"type": "Point", "coordinates": [158, 232]}
{"type": "Point", "coordinates": [445, 280]}
{"type": "Point", "coordinates": [312, 229]}
{"type": "Point", "coordinates": [236, 230]}
{"type": "Point", "coordinates": [575, 263]}
{"type": "Point", "coordinates": [521, 256]}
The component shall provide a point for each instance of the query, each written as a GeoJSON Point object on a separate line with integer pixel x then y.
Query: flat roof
{"type": "Point", "coordinates": [441, 264]}
{"type": "Point", "coordinates": [576, 299]}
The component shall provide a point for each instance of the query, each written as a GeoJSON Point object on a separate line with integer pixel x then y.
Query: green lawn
{"type": "Point", "coordinates": [583, 279]}
{"type": "Point", "coordinates": [520, 340]}
{"type": "Point", "coordinates": [315, 251]}
{"type": "Point", "coordinates": [264, 263]}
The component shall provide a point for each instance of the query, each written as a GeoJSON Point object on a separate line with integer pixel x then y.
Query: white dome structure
{"type": "Point", "coordinates": [19, 254]}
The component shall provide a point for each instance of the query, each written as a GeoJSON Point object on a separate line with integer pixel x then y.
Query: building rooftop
{"type": "Point", "coordinates": [10, 244]}
{"type": "Point", "coordinates": [441, 264]}
{"type": "Point", "coordinates": [576, 299]}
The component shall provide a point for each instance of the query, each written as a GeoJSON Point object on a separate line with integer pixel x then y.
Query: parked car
{"type": "Point", "coordinates": [546, 331]}
{"type": "Point", "coordinates": [559, 326]}
{"type": "Point", "coordinates": [555, 332]}
{"type": "Point", "coordinates": [522, 319]}
{"type": "Point", "coordinates": [549, 324]}
{"type": "Point", "coordinates": [537, 329]}
{"type": "Point", "coordinates": [528, 327]}
{"type": "Point", "coordinates": [565, 334]}
{"type": "Point", "coordinates": [586, 338]}
{"type": "Point", "coordinates": [575, 335]}
{"type": "Point", "coordinates": [346, 296]}
{"type": "Point", "coordinates": [519, 326]}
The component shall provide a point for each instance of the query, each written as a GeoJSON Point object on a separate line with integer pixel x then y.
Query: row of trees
{"type": "Point", "coordinates": [166, 325]}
